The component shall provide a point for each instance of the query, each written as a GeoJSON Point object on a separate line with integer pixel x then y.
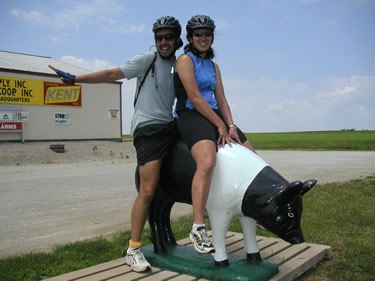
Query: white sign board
{"type": "Point", "coordinates": [113, 113]}
{"type": "Point", "coordinates": [23, 116]}
{"type": "Point", "coordinates": [62, 118]}
{"type": "Point", "coordinates": [6, 116]}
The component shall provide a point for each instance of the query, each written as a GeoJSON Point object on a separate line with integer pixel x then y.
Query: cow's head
{"type": "Point", "coordinates": [277, 204]}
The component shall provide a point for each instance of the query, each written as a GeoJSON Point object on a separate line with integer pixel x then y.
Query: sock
{"type": "Point", "coordinates": [134, 245]}
{"type": "Point", "coordinates": [195, 226]}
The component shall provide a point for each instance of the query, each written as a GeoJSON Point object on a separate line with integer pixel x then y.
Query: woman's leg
{"type": "Point", "coordinates": [204, 154]}
{"type": "Point", "coordinates": [249, 146]}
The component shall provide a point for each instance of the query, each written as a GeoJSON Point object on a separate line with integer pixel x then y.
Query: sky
{"type": "Point", "coordinates": [287, 65]}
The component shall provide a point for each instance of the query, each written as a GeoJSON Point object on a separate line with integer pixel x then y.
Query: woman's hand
{"type": "Point", "coordinates": [234, 135]}
{"type": "Point", "coordinates": [227, 137]}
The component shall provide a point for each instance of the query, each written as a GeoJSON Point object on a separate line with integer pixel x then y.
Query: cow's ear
{"type": "Point", "coordinates": [286, 195]}
{"type": "Point", "coordinates": [307, 185]}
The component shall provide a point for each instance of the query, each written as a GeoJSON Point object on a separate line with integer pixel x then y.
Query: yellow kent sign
{"type": "Point", "coordinates": [37, 92]}
{"type": "Point", "coordinates": [61, 94]}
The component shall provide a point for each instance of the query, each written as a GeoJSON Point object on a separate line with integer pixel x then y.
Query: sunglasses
{"type": "Point", "coordinates": [201, 33]}
{"type": "Point", "coordinates": [167, 37]}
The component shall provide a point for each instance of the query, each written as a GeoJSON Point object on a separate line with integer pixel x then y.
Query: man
{"type": "Point", "coordinates": [153, 126]}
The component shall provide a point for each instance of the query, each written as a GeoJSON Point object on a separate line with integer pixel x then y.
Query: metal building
{"type": "Point", "coordinates": [36, 105]}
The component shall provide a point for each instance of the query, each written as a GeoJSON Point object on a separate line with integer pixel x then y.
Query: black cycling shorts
{"type": "Point", "coordinates": [153, 141]}
{"type": "Point", "coordinates": [194, 127]}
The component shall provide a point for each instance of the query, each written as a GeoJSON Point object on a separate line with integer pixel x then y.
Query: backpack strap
{"type": "Point", "coordinates": [151, 66]}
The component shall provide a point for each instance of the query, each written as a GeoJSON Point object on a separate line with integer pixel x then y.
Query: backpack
{"type": "Point", "coordinates": [151, 66]}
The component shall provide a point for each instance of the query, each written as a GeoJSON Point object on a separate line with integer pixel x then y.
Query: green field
{"type": "Point", "coordinates": [317, 140]}
{"type": "Point", "coordinates": [320, 140]}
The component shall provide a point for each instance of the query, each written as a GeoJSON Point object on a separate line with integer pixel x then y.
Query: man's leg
{"type": "Point", "coordinates": [149, 178]}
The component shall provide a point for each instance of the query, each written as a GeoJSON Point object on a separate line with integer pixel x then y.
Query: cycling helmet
{"type": "Point", "coordinates": [199, 21]}
{"type": "Point", "coordinates": [167, 22]}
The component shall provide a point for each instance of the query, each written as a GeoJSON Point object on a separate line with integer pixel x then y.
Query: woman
{"type": "Point", "coordinates": [205, 119]}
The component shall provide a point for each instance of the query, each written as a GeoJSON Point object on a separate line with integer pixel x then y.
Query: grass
{"type": "Point", "coordinates": [318, 140]}
{"type": "Point", "coordinates": [341, 215]}
{"type": "Point", "coordinates": [323, 140]}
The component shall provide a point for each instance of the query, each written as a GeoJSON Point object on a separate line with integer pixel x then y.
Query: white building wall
{"type": "Point", "coordinates": [92, 120]}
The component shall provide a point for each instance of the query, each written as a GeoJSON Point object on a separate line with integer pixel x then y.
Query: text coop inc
{"type": "Point", "coordinates": [38, 92]}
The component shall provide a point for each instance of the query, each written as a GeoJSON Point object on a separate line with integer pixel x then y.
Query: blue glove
{"type": "Point", "coordinates": [67, 78]}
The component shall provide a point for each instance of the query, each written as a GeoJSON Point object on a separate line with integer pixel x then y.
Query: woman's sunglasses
{"type": "Point", "coordinates": [201, 33]}
{"type": "Point", "coordinates": [167, 37]}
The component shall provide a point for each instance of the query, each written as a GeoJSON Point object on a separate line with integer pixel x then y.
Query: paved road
{"type": "Point", "coordinates": [45, 205]}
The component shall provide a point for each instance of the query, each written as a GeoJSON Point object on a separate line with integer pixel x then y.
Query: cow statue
{"type": "Point", "coordinates": [243, 185]}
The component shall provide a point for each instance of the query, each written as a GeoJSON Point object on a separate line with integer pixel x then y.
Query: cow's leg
{"type": "Point", "coordinates": [168, 237]}
{"type": "Point", "coordinates": [159, 220]}
{"type": "Point", "coordinates": [154, 215]}
{"type": "Point", "coordinates": [219, 223]}
{"type": "Point", "coordinates": [250, 238]}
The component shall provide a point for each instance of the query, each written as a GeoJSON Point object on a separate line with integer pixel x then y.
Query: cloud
{"type": "Point", "coordinates": [276, 108]}
{"type": "Point", "coordinates": [282, 3]}
{"type": "Point", "coordinates": [269, 104]}
{"type": "Point", "coordinates": [338, 94]}
{"type": "Point", "coordinates": [107, 15]}
{"type": "Point", "coordinates": [345, 89]}
{"type": "Point", "coordinates": [91, 65]}
{"type": "Point", "coordinates": [99, 11]}
{"type": "Point", "coordinates": [126, 28]}
{"type": "Point", "coordinates": [31, 16]}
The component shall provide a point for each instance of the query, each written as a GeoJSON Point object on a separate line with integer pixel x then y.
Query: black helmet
{"type": "Point", "coordinates": [200, 21]}
{"type": "Point", "coordinates": [167, 22]}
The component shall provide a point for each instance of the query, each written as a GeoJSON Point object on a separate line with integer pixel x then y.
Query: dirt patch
{"type": "Point", "coordinates": [30, 153]}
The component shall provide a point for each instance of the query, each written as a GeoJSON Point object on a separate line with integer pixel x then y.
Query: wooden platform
{"type": "Point", "coordinates": [292, 261]}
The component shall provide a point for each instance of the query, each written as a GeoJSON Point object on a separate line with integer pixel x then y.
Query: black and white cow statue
{"type": "Point", "coordinates": [243, 185]}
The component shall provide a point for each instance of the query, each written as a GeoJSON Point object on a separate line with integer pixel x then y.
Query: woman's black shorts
{"type": "Point", "coordinates": [194, 127]}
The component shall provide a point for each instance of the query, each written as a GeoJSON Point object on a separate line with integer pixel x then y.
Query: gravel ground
{"type": "Point", "coordinates": [15, 153]}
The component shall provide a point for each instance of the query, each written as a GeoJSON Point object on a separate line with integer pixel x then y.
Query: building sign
{"type": "Point", "coordinates": [113, 113]}
{"type": "Point", "coordinates": [38, 92]}
{"type": "Point", "coordinates": [10, 126]}
{"type": "Point", "coordinates": [62, 118]}
{"type": "Point", "coordinates": [6, 116]}
{"type": "Point", "coordinates": [23, 116]}
{"type": "Point", "coordinates": [62, 94]}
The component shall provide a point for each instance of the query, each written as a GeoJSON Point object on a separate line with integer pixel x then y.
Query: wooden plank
{"type": "Point", "coordinates": [286, 254]}
{"type": "Point", "coordinates": [236, 249]}
{"type": "Point", "coordinates": [233, 239]}
{"type": "Point", "coordinates": [89, 270]}
{"type": "Point", "coordinates": [236, 245]}
{"type": "Point", "coordinates": [109, 273]}
{"type": "Point", "coordinates": [274, 247]}
{"type": "Point", "coordinates": [132, 275]}
{"type": "Point", "coordinates": [301, 263]}
{"type": "Point", "coordinates": [161, 275]}
{"type": "Point", "coordinates": [293, 261]}
{"type": "Point", "coordinates": [185, 241]}
{"type": "Point", "coordinates": [324, 248]}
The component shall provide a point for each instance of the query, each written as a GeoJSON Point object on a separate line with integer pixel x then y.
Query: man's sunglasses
{"type": "Point", "coordinates": [201, 33]}
{"type": "Point", "coordinates": [167, 37]}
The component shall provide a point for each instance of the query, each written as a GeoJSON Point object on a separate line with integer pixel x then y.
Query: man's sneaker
{"type": "Point", "coordinates": [201, 242]}
{"type": "Point", "coordinates": [137, 261]}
